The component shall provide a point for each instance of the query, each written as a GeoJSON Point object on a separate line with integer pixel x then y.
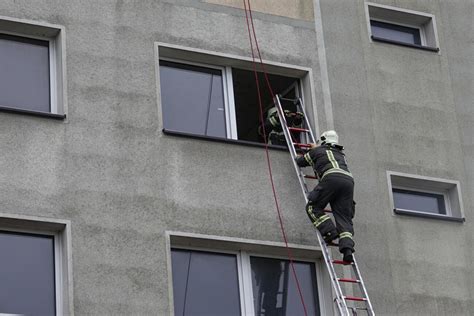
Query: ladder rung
{"type": "Point", "coordinates": [331, 244]}
{"type": "Point", "coordinates": [354, 298]}
{"type": "Point", "coordinates": [297, 129]}
{"type": "Point", "coordinates": [311, 177]}
{"type": "Point", "coordinates": [327, 211]}
{"type": "Point", "coordinates": [348, 280]}
{"type": "Point", "coordinates": [302, 145]}
{"type": "Point", "coordinates": [286, 99]}
{"type": "Point", "coordinates": [341, 262]}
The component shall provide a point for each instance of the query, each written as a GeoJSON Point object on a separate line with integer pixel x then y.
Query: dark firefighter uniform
{"type": "Point", "coordinates": [336, 187]}
{"type": "Point", "coordinates": [273, 129]}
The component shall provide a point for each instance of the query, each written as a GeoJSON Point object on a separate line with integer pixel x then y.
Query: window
{"type": "Point", "coordinates": [426, 197]}
{"type": "Point", "coordinates": [401, 26]}
{"type": "Point", "coordinates": [265, 288]}
{"type": "Point", "coordinates": [31, 69]}
{"type": "Point", "coordinates": [27, 273]}
{"type": "Point", "coordinates": [395, 32]}
{"type": "Point", "coordinates": [273, 292]}
{"type": "Point", "coordinates": [209, 96]}
{"type": "Point", "coordinates": [193, 99]}
{"type": "Point", "coordinates": [419, 201]}
{"type": "Point", "coordinates": [199, 279]}
{"type": "Point", "coordinates": [34, 270]}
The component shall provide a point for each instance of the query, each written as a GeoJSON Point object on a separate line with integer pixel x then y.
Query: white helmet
{"type": "Point", "coordinates": [329, 137]}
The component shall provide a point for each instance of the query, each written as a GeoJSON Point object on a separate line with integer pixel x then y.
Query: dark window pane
{"type": "Point", "coordinates": [275, 291]}
{"type": "Point", "coordinates": [419, 201]}
{"type": "Point", "coordinates": [205, 283]}
{"type": "Point", "coordinates": [396, 32]}
{"type": "Point", "coordinates": [27, 283]}
{"type": "Point", "coordinates": [24, 73]}
{"type": "Point", "coordinates": [192, 99]}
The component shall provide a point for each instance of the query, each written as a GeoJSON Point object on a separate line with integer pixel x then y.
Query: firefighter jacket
{"type": "Point", "coordinates": [273, 128]}
{"type": "Point", "coordinates": [325, 159]}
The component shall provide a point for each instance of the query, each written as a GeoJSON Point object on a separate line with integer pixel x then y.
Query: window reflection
{"type": "Point", "coordinates": [275, 291]}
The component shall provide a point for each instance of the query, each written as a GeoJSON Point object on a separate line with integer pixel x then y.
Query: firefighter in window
{"type": "Point", "coordinates": [273, 129]}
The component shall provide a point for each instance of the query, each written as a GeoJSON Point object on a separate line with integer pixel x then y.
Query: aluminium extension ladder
{"type": "Point", "coordinates": [345, 304]}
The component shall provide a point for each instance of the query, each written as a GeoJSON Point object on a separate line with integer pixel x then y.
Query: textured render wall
{"type": "Point", "coordinates": [458, 31]}
{"type": "Point", "coordinates": [411, 111]}
{"type": "Point", "coordinates": [111, 171]}
{"type": "Point", "coordinates": [296, 9]}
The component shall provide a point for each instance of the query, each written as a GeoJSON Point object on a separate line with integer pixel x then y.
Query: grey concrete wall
{"type": "Point", "coordinates": [121, 182]}
{"type": "Point", "coordinates": [296, 9]}
{"type": "Point", "coordinates": [110, 170]}
{"type": "Point", "coordinates": [411, 111]}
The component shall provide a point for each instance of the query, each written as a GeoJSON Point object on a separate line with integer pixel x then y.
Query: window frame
{"type": "Point", "coordinates": [425, 22]}
{"type": "Point", "coordinates": [57, 262]}
{"type": "Point", "coordinates": [56, 37]}
{"type": "Point", "coordinates": [212, 59]}
{"type": "Point", "coordinates": [229, 104]}
{"type": "Point", "coordinates": [60, 230]}
{"type": "Point", "coordinates": [449, 189]}
{"type": "Point", "coordinates": [444, 194]}
{"type": "Point", "coordinates": [244, 266]}
{"type": "Point", "coordinates": [420, 29]}
{"type": "Point", "coordinates": [53, 102]}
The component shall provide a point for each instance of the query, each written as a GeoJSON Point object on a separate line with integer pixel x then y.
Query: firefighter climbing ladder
{"type": "Point", "coordinates": [345, 304]}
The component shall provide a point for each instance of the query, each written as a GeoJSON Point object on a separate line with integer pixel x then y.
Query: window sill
{"type": "Point", "coordinates": [33, 113]}
{"type": "Point", "coordinates": [428, 215]}
{"type": "Point", "coordinates": [384, 40]}
{"type": "Point", "coordinates": [223, 140]}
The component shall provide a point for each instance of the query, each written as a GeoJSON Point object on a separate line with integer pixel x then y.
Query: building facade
{"type": "Point", "coordinates": [133, 179]}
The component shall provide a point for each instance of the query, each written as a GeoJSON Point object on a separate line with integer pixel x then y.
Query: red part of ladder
{"type": "Point", "coordinates": [348, 280]}
{"type": "Point", "coordinates": [354, 298]}
{"type": "Point", "coordinates": [302, 145]}
{"type": "Point", "coordinates": [297, 129]}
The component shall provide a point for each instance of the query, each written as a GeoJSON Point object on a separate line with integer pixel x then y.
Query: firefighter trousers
{"type": "Point", "coordinates": [338, 191]}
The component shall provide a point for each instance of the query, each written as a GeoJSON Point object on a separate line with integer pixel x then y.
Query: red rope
{"type": "Point", "coordinates": [290, 256]}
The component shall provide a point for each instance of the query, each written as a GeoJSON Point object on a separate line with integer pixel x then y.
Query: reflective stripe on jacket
{"type": "Point", "coordinates": [325, 159]}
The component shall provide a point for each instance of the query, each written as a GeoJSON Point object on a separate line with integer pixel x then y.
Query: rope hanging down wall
{"type": "Point", "coordinates": [250, 25]}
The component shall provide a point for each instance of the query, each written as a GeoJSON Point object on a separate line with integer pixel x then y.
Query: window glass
{"type": "Point", "coordinates": [275, 291]}
{"type": "Point", "coordinates": [192, 99]}
{"type": "Point", "coordinates": [24, 73]}
{"type": "Point", "coordinates": [419, 201]}
{"type": "Point", "coordinates": [205, 283]}
{"type": "Point", "coordinates": [27, 281]}
{"type": "Point", "coordinates": [396, 32]}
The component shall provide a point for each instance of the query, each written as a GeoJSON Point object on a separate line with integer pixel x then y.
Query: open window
{"type": "Point", "coordinates": [247, 109]}
{"type": "Point", "coordinates": [218, 98]}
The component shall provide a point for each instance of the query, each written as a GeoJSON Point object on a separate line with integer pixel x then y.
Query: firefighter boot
{"type": "Point", "coordinates": [330, 236]}
{"type": "Point", "coordinates": [347, 255]}
{"type": "Point", "coordinates": [346, 246]}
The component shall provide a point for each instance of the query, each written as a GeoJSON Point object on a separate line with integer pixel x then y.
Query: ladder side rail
{"type": "Point", "coordinates": [306, 121]}
{"type": "Point", "coordinates": [363, 288]}
{"type": "Point", "coordinates": [341, 303]}
{"type": "Point", "coordinates": [291, 147]}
